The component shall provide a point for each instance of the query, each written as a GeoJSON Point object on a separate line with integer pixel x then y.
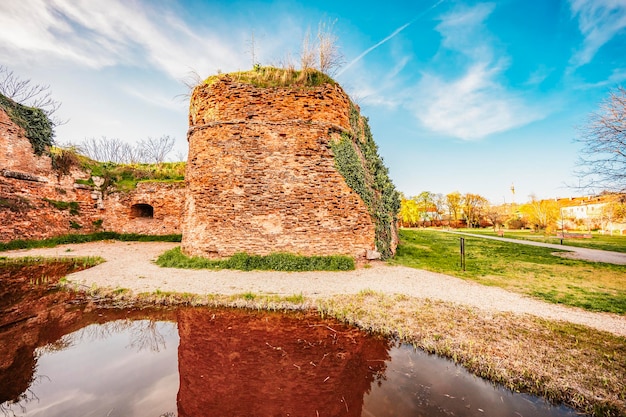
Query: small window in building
{"type": "Point", "coordinates": [141, 210]}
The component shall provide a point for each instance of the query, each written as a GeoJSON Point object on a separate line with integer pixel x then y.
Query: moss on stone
{"type": "Point", "coordinates": [364, 171]}
{"type": "Point", "coordinates": [36, 124]}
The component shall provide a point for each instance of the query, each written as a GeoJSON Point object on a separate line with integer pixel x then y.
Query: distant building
{"type": "Point", "coordinates": [594, 212]}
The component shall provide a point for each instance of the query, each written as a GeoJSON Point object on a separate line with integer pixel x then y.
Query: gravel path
{"type": "Point", "coordinates": [573, 252]}
{"type": "Point", "coordinates": [130, 265]}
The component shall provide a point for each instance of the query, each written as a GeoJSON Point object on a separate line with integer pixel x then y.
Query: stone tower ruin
{"type": "Point", "coordinates": [261, 175]}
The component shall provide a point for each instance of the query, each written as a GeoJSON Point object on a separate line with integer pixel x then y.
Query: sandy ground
{"type": "Point", "coordinates": [130, 265]}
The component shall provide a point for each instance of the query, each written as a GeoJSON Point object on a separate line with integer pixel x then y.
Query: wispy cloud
{"type": "Point", "coordinates": [618, 76]}
{"type": "Point", "coordinates": [598, 21]}
{"type": "Point", "coordinates": [383, 92]}
{"type": "Point", "coordinates": [475, 103]}
{"type": "Point", "coordinates": [386, 39]}
{"type": "Point", "coordinates": [101, 34]}
{"type": "Point", "coordinates": [155, 98]}
{"type": "Point", "coordinates": [472, 106]}
{"type": "Point", "coordinates": [464, 31]}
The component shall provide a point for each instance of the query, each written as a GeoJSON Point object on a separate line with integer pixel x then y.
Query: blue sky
{"type": "Point", "coordinates": [461, 95]}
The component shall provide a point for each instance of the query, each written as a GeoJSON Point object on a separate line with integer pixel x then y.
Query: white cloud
{"type": "Point", "coordinates": [463, 27]}
{"type": "Point", "coordinates": [475, 103]}
{"type": "Point", "coordinates": [598, 21]}
{"type": "Point", "coordinates": [472, 106]}
{"type": "Point", "coordinates": [101, 34]}
{"type": "Point", "coordinates": [383, 92]}
{"type": "Point", "coordinates": [617, 77]}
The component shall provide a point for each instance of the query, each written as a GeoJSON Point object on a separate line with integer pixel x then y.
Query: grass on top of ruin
{"type": "Point", "coordinates": [615, 243]}
{"type": "Point", "coordinates": [524, 269]}
{"type": "Point", "coordinates": [267, 76]}
{"type": "Point", "coordinates": [174, 258]}
{"type": "Point", "coordinates": [121, 176]}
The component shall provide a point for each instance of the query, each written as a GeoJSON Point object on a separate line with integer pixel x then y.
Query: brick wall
{"type": "Point", "coordinates": [16, 152]}
{"type": "Point", "coordinates": [27, 181]}
{"type": "Point", "coordinates": [165, 199]}
{"type": "Point", "coordinates": [261, 176]}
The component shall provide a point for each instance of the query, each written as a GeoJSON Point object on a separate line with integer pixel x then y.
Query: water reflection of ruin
{"type": "Point", "coordinates": [231, 362]}
{"type": "Point", "coordinates": [33, 315]}
{"type": "Point", "coordinates": [244, 363]}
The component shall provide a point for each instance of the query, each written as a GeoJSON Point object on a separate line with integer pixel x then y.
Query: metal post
{"type": "Point", "coordinates": [562, 226]}
{"type": "Point", "coordinates": [463, 253]}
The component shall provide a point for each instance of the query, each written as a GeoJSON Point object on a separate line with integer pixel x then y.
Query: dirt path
{"type": "Point", "coordinates": [573, 252]}
{"type": "Point", "coordinates": [130, 265]}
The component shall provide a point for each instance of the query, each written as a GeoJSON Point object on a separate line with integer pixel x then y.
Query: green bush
{"type": "Point", "coordinates": [174, 258]}
{"type": "Point", "coordinates": [125, 177]}
{"type": "Point", "coordinates": [72, 206]}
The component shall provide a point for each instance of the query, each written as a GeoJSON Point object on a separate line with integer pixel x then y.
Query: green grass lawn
{"type": "Point", "coordinates": [529, 270]}
{"type": "Point", "coordinates": [613, 243]}
{"type": "Point", "coordinates": [92, 237]}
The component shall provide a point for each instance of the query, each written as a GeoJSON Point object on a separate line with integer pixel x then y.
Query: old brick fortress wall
{"type": "Point", "coordinates": [261, 176]}
{"type": "Point", "coordinates": [30, 188]}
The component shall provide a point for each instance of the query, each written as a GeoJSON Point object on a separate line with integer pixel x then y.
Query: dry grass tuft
{"type": "Point", "coordinates": [277, 77]}
{"type": "Point", "coordinates": [563, 362]}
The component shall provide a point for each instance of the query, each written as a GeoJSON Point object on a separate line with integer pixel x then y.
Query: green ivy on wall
{"type": "Point", "coordinates": [34, 121]}
{"type": "Point", "coordinates": [364, 171]}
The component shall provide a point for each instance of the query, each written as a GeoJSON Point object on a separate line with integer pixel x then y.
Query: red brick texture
{"type": "Point", "coordinates": [261, 176]}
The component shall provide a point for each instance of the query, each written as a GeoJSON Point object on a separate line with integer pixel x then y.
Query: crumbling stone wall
{"type": "Point", "coordinates": [17, 153]}
{"type": "Point", "coordinates": [165, 199]}
{"type": "Point", "coordinates": [261, 176]}
{"type": "Point", "coordinates": [37, 202]}
{"type": "Point", "coordinates": [29, 187]}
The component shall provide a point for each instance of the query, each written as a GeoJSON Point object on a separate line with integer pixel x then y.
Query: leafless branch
{"type": "Point", "coordinates": [155, 150]}
{"type": "Point", "coordinates": [330, 57]}
{"type": "Point", "coordinates": [29, 94]}
{"type": "Point", "coordinates": [307, 53]}
{"type": "Point", "coordinates": [602, 159]}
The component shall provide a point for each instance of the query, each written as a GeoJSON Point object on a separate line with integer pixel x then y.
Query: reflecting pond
{"type": "Point", "coordinates": [62, 357]}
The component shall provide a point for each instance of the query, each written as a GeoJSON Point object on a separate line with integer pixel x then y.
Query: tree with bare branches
{"type": "Point", "coordinates": [29, 94]}
{"type": "Point", "coordinates": [154, 150]}
{"type": "Point", "coordinates": [330, 57]}
{"type": "Point", "coordinates": [307, 52]}
{"type": "Point", "coordinates": [323, 52]}
{"type": "Point", "coordinates": [106, 149]}
{"type": "Point", "coordinates": [602, 162]}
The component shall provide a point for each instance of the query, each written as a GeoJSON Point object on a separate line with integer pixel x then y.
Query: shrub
{"type": "Point", "coordinates": [72, 206]}
{"type": "Point", "coordinates": [75, 225]}
{"type": "Point", "coordinates": [242, 261]}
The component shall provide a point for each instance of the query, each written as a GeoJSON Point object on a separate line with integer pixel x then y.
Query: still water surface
{"type": "Point", "coordinates": [80, 361]}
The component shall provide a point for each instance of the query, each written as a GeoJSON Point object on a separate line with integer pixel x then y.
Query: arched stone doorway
{"type": "Point", "coordinates": [141, 211]}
